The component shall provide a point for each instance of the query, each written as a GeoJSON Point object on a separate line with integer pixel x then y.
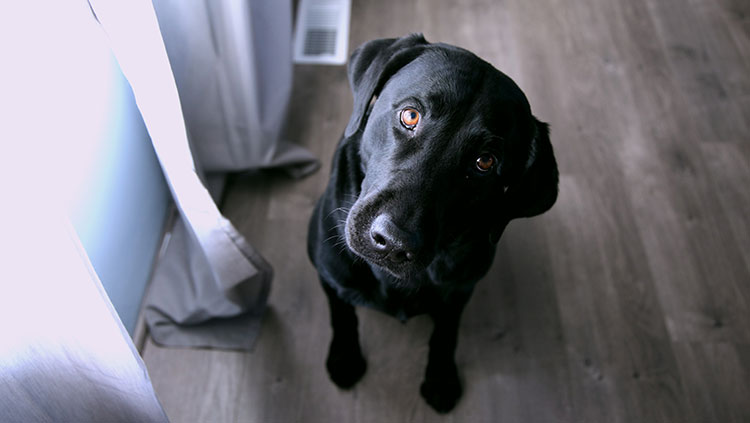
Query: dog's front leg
{"type": "Point", "coordinates": [441, 387]}
{"type": "Point", "coordinates": [345, 362]}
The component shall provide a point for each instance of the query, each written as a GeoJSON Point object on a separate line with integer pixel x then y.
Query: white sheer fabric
{"type": "Point", "coordinates": [210, 287]}
{"type": "Point", "coordinates": [64, 354]}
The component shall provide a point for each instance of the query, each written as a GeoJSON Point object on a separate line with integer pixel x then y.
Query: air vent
{"type": "Point", "coordinates": [322, 31]}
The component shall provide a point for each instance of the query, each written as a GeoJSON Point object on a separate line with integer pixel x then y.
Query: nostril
{"type": "Point", "coordinates": [401, 256]}
{"type": "Point", "coordinates": [379, 239]}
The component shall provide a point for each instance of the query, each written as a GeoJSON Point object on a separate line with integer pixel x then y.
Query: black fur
{"type": "Point", "coordinates": [408, 223]}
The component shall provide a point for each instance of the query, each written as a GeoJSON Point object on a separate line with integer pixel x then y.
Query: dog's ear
{"type": "Point", "coordinates": [370, 67]}
{"type": "Point", "coordinates": [536, 190]}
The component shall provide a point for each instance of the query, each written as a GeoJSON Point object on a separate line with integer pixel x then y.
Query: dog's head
{"type": "Point", "coordinates": [450, 152]}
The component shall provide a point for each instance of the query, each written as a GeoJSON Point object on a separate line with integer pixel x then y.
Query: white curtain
{"type": "Point", "coordinates": [64, 354]}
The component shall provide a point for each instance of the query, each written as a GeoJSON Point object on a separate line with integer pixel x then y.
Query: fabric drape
{"type": "Point", "coordinates": [230, 63]}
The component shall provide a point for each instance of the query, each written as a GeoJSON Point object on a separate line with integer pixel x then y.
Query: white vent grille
{"type": "Point", "coordinates": [322, 31]}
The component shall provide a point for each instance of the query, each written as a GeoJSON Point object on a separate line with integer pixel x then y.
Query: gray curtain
{"type": "Point", "coordinates": [231, 62]}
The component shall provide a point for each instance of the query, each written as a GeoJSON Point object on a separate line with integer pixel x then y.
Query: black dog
{"type": "Point", "coordinates": [440, 153]}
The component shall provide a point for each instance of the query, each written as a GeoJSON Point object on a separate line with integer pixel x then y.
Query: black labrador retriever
{"type": "Point", "coordinates": [440, 153]}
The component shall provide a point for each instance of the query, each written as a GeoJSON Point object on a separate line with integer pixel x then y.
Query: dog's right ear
{"type": "Point", "coordinates": [371, 65]}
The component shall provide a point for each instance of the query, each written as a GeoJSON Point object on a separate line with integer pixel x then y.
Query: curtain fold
{"type": "Point", "coordinates": [210, 286]}
{"type": "Point", "coordinates": [232, 62]}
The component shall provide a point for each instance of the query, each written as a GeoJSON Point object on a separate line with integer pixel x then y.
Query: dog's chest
{"type": "Point", "coordinates": [397, 298]}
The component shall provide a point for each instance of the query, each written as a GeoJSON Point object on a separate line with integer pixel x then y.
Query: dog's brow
{"type": "Point", "coordinates": [411, 101]}
{"type": "Point", "coordinates": [484, 136]}
{"type": "Point", "coordinates": [497, 139]}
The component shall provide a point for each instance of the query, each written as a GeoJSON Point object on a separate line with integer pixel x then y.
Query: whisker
{"type": "Point", "coordinates": [342, 247]}
{"type": "Point", "coordinates": [331, 237]}
{"type": "Point", "coordinates": [346, 210]}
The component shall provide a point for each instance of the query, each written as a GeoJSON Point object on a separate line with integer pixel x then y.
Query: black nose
{"type": "Point", "coordinates": [396, 244]}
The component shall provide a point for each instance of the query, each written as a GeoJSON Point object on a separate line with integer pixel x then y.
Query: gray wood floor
{"type": "Point", "coordinates": [628, 302]}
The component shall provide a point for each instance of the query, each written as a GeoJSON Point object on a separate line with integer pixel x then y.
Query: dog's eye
{"type": "Point", "coordinates": [409, 118]}
{"type": "Point", "coordinates": [485, 162]}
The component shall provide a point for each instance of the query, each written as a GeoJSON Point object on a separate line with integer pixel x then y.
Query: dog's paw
{"type": "Point", "coordinates": [345, 364]}
{"type": "Point", "coordinates": [441, 391]}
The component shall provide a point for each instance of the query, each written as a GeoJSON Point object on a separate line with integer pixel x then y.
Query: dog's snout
{"type": "Point", "coordinates": [392, 242]}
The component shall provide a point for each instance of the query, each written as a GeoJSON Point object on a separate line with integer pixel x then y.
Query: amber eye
{"type": "Point", "coordinates": [485, 162]}
{"type": "Point", "coordinates": [409, 118]}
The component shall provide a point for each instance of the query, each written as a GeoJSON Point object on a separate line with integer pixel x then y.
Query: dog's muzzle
{"type": "Point", "coordinates": [391, 243]}
{"type": "Point", "coordinates": [382, 242]}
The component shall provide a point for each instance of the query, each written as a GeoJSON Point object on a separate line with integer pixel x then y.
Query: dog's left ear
{"type": "Point", "coordinates": [535, 191]}
{"type": "Point", "coordinates": [370, 67]}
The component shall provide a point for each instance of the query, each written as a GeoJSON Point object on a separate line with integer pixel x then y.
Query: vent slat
{"type": "Point", "coordinates": [320, 41]}
{"type": "Point", "coordinates": [322, 31]}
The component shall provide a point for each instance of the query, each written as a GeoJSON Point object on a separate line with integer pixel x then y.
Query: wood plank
{"type": "Point", "coordinates": [622, 365]}
{"type": "Point", "coordinates": [716, 376]}
{"type": "Point", "coordinates": [736, 17]}
{"type": "Point", "coordinates": [728, 165]}
{"type": "Point", "coordinates": [699, 77]}
{"type": "Point", "coordinates": [632, 344]}
{"type": "Point", "coordinates": [195, 385]}
{"type": "Point", "coordinates": [674, 199]}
